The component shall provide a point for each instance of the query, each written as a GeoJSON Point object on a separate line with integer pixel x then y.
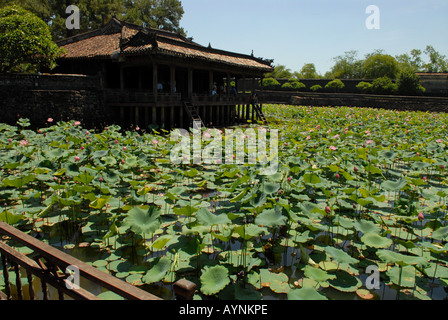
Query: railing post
{"type": "Point", "coordinates": [6, 277]}
{"type": "Point", "coordinates": [184, 289]}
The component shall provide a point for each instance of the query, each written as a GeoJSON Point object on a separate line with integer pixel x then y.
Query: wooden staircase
{"type": "Point", "coordinates": [260, 114]}
{"type": "Point", "coordinates": [194, 116]}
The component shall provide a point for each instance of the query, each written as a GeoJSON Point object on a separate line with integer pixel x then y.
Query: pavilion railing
{"type": "Point", "coordinates": [138, 96]}
{"type": "Point", "coordinates": [52, 267]}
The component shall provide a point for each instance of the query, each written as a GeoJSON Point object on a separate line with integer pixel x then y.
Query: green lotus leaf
{"type": "Point", "coordinates": [306, 293]}
{"type": "Point", "coordinates": [143, 220]}
{"type": "Point", "coordinates": [192, 173]}
{"type": "Point", "coordinates": [376, 241]}
{"type": "Point", "coordinates": [99, 203]}
{"type": "Point", "coordinates": [134, 279]}
{"type": "Point", "coordinates": [394, 185]}
{"type": "Point", "coordinates": [311, 178]}
{"type": "Point", "coordinates": [366, 226]}
{"type": "Point", "coordinates": [271, 188]}
{"type": "Point", "coordinates": [214, 279]}
{"type": "Point", "coordinates": [345, 282]}
{"type": "Point", "coordinates": [402, 276]}
{"type": "Point", "coordinates": [158, 271]}
{"type": "Point", "coordinates": [271, 217]}
{"type": "Point", "coordinates": [248, 231]}
{"type": "Point", "coordinates": [318, 274]}
{"type": "Point", "coordinates": [277, 282]}
{"type": "Point", "coordinates": [340, 255]}
{"type": "Point", "coordinates": [109, 295]}
{"type": "Point", "coordinates": [161, 242]}
{"type": "Point", "coordinates": [11, 218]}
{"type": "Point", "coordinates": [400, 259]}
{"type": "Point", "coordinates": [440, 234]}
{"type": "Point", "coordinates": [207, 218]}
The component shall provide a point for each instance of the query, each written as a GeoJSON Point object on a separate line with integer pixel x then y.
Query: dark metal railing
{"type": "Point", "coordinates": [50, 265]}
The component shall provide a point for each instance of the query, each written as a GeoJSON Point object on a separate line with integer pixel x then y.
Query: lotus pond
{"type": "Point", "coordinates": [359, 193]}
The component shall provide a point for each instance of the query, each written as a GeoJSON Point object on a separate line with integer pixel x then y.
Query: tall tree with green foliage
{"type": "Point", "coordinates": [346, 66]}
{"type": "Point", "coordinates": [26, 44]}
{"type": "Point", "coordinates": [308, 71]}
{"type": "Point", "coordinates": [162, 14]}
{"type": "Point", "coordinates": [437, 62]}
{"type": "Point", "coordinates": [279, 72]}
{"type": "Point", "coordinates": [379, 65]}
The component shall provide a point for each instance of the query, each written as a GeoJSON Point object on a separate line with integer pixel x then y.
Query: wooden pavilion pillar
{"type": "Point", "coordinates": [155, 80]}
{"type": "Point", "coordinates": [210, 80]}
{"type": "Point", "coordinates": [190, 83]}
{"type": "Point", "coordinates": [172, 79]}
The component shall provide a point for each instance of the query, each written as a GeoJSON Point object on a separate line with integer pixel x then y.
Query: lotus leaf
{"type": "Point", "coordinates": [143, 220]}
{"type": "Point", "coordinates": [271, 217]}
{"type": "Point", "coordinates": [376, 241]}
{"type": "Point", "coordinates": [158, 271]}
{"type": "Point", "coordinates": [214, 279]}
{"type": "Point", "coordinates": [345, 282]}
{"type": "Point", "coordinates": [305, 293]}
{"type": "Point", "coordinates": [340, 255]}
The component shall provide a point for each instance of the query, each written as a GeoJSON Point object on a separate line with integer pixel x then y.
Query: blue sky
{"type": "Point", "coordinates": [295, 32]}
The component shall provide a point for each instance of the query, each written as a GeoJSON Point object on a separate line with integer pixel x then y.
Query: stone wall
{"type": "Point", "coordinates": [413, 103]}
{"type": "Point", "coordinates": [39, 97]}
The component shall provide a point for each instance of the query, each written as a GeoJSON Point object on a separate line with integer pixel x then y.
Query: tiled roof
{"type": "Point", "coordinates": [122, 38]}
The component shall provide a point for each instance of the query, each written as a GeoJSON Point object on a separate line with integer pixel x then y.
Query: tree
{"type": "Point", "coordinates": [379, 65]}
{"type": "Point", "coordinates": [25, 42]}
{"type": "Point", "coordinates": [409, 84]}
{"type": "Point", "coordinates": [279, 72]}
{"type": "Point", "coordinates": [346, 66]}
{"type": "Point", "coordinates": [437, 62]}
{"type": "Point", "coordinates": [162, 14]}
{"type": "Point", "coordinates": [410, 62]}
{"type": "Point", "coordinates": [308, 71]}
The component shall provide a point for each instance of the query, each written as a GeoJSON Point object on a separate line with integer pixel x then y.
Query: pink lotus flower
{"type": "Point", "coordinates": [356, 169]}
{"type": "Point", "coordinates": [77, 159]}
{"type": "Point", "coordinates": [337, 176]}
{"type": "Point", "coordinates": [439, 140]}
{"type": "Point", "coordinates": [24, 143]}
{"type": "Point", "coordinates": [369, 141]}
{"type": "Point", "coordinates": [333, 148]}
{"type": "Point", "coordinates": [117, 142]}
{"type": "Point", "coordinates": [327, 209]}
{"type": "Point", "coordinates": [308, 138]}
{"type": "Point", "coordinates": [289, 179]}
{"type": "Point", "coordinates": [50, 120]}
{"type": "Point", "coordinates": [77, 123]}
{"type": "Point", "coordinates": [421, 216]}
{"type": "Point", "coordinates": [155, 142]}
{"type": "Point", "coordinates": [82, 148]}
{"type": "Point", "coordinates": [122, 161]}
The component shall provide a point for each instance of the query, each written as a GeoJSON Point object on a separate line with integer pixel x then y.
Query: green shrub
{"type": "Point", "coordinates": [409, 84]}
{"type": "Point", "coordinates": [364, 86]}
{"type": "Point", "coordinates": [297, 85]}
{"type": "Point", "coordinates": [335, 85]}
{"type": "Point", "coordinates": [316, 87]}
{"type": "Point", "coordinates": [271, 83]}
{"type": "Point", "coordinates": [287, 86]}
{"type": "Point", "coordinates": [384, 85]}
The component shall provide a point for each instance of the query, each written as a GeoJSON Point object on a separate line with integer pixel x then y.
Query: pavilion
{"type": "Point", "coordinates": [159, 78]}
